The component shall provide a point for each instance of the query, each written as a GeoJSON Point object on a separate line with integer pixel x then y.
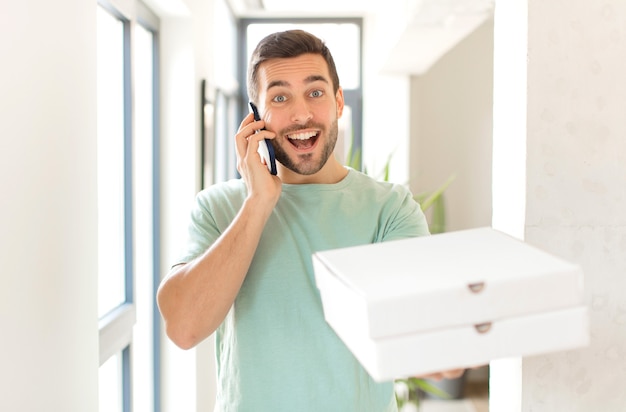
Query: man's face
{"type": "Point", "coordinates": [298, 104]}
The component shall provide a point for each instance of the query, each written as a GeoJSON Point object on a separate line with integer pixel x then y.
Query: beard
{"type": "Point", "coordinates": [306, 164]}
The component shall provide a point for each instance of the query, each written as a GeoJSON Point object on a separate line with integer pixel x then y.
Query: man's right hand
{"type": "Point", "coordinates": [260, 183]}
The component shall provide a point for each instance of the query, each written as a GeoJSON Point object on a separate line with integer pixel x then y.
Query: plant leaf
{"type": "Point", "coordinates": [426, 200]}
{"type": "Point", "coordinates": [430, 388]}
{"type": "Point", "coordinates": [438, 216]}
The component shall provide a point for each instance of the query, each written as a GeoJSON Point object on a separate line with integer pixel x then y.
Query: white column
{"type": "Point", "coordinates": [570, 111]}
{"type": "Point", "coordinates": [509, 166]}
{"type": "Point", "coordinates": [48, 212]}
{"type": "Point", "coordinates": [576, 190]}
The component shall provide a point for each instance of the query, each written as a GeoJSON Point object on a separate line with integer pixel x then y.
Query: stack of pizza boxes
{"type": "Point", "coordinates": [454, 300]}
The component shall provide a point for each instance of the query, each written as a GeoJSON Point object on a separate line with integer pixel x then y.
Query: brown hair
{"type": "Point", "coordinates": [291, 43]}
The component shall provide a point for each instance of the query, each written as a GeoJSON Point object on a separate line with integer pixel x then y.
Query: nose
{"type": "Point", "coordinates": [301, 112]}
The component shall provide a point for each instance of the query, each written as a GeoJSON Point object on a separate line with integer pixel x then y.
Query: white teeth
{"type": "Point", "coordinates": [301, 136]}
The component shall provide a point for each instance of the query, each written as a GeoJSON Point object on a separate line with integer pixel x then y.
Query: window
{"type": "Point", "coordinates": [111, 167]}
{"type": "Point", "coordinates": [110, 387]}
{"type": "Point", "coordinates": [128, 229]}
{"type": "Point", "coordinates": [115, 308]}
{"type": "Point", "coordinates": [344, 39]}
{"type": "Point", "coordinates": [224, 97]}
{"type": "Point", "coordinates": [145, 220]}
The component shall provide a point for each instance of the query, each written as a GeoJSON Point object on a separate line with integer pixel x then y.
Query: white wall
{"type": "Point", "coordinates": [188, 37]}
{"type": "Point", "coordinates": [509, 166]}
{"type": "Point", "coordinates": [576, 190]}
{"type": "Point", "coordinates": [48, 220]}
{"type": "Point", "coordinates": [178, 186]}
{"type": "Point", "coordinates": [386, 96]}
{"type": "Point", "coordinates": [48, 215]}
{"type": "Point", "coordinates": [451, 111]}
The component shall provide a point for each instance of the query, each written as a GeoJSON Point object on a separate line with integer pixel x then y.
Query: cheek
{"type": "Point", "coordinates": [322, 114]}
{"type": "Point", "coordinates": [275, 120]}
{"type": "Point", "coordinates": [332, 115]}
{"type": "Point", "coordinates": [270, 119]}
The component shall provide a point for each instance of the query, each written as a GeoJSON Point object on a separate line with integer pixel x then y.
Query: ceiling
{"type": "Point", "coordinates": [301, 8]}
{"type": "Point", "coordinates": [414, 33]}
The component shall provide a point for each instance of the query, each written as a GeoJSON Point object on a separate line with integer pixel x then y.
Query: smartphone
{"type": "Point", "coordinates": [266, 150]}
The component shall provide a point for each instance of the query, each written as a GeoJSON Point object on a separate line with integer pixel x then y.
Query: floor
{"type": "Point", "coordinates": [478, 394]}
{"type": "Point", "coordinates": [461, 405]}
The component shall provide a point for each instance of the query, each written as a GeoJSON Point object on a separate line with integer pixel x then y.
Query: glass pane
{"type": "Point", "coordinates": [343, 40]}
{"type": "Point", "coordinates": [345, 140]}
{"type": "Point", "coordinates": [110, 89]}
{"type": "Point", "coordinates": [143, 153]}
{"type": "Point", "coordinates": [110, 385]}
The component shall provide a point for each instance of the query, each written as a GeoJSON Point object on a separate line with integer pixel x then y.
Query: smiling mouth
{"type": "Point", "coordinates": [303, 140]}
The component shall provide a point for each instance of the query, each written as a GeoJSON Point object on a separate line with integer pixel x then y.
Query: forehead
{"type": "Point", "coordinates": [292, 71]}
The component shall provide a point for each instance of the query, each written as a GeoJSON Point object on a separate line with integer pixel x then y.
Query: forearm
{"type": "Point", "coordinates": [196, 297]}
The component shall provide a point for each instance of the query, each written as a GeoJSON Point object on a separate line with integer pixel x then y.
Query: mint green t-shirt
{"type": "Point", "coordinates": [275, 352]}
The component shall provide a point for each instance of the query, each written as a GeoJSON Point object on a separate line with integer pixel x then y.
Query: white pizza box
{"type": "Point", "coordinates": [463, 347]}
{"type": "Point", "coordinates": [447, 301]}
{"type": "Point", "coordinates": [450, 279]}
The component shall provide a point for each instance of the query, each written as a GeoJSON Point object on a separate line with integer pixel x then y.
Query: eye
{"type": "Point", "coordinates": [279, 99]}
{"type": "Point", "coordinates": [317, 93]}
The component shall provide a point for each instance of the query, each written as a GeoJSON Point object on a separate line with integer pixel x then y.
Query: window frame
{"type": "Point", "coordinates": [116, 327]}
{"type": "Point", "coordinates": [150, 21]}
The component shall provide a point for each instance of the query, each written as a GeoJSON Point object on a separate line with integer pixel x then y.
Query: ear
{"type": "Point", "coordinates": [340, 102]}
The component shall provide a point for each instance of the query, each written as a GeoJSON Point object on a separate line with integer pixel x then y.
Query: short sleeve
{"type": "Point", "coordinates": [202, 231]}
{"type": "Point", "coordinates": [407, 220]}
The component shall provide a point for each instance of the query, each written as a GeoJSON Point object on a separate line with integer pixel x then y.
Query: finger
{"type": "Point", "coordinates": [241, 138]}
{"type": "Point", "coordinates": [248, 123]}
{"type": "Point", "coordinates": [249, 127]}
{"type": "Point", "coordinates": [250, 159]}
{"type": "Point", "coordinates": [432, 376]}
{"type": "Point", "coordinates": [253, 143]}
{"type": "Point", "coordinates": [453, 374]}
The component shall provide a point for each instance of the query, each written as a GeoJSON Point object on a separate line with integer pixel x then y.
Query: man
{"type": "Point", "coordinates": [247, 273]}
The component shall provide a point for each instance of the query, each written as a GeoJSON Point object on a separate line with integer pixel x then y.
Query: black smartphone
{"type": "Point", "coordinates": [266, 150]}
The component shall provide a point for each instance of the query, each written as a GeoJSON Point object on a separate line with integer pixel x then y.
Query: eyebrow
{"type": "Point", "coordinates": [310, 79]}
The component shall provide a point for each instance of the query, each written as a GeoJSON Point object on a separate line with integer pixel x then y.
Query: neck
{"type": "Point", "coordinates": [332, 172]}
